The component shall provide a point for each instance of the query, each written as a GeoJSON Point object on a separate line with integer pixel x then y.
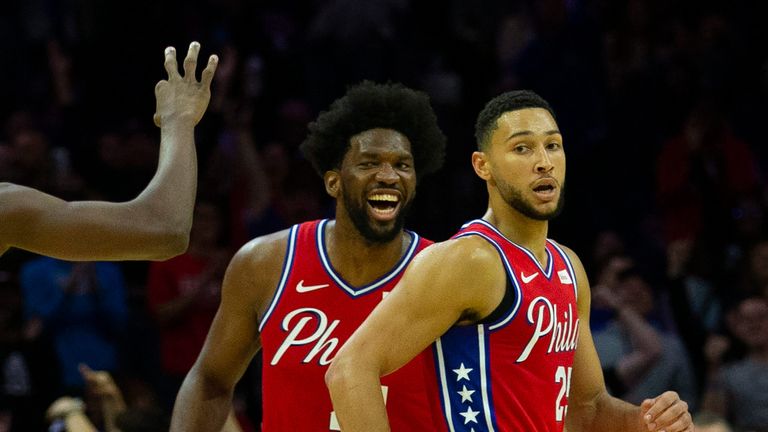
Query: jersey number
{"type": "Point", "coordinates": [562, 377]}
{"type": "Point", "coordinates": [334, 426]}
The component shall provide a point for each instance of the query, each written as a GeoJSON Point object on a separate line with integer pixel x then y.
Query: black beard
{"type": "Point", "coordinates": [514, 198]}
{"type": "Point", "coordinates": [365, 225]}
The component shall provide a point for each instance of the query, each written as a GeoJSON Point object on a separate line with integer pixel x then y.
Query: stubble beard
{"type": "Point", "coordinates": [514, 197]}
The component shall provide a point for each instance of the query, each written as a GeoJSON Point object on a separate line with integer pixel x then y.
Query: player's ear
{"type": "Point", "coordinates": [481, 165]}
{"type": "Point", "coordinates": [332, 180]}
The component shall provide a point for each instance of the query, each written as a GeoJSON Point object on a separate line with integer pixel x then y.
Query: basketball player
{"type": "Point", "coordinates": [506, 308]}
{"type": "Point", "coordinates": [154, 225]}
{"type": "Point", "coordinates": [298, 294]}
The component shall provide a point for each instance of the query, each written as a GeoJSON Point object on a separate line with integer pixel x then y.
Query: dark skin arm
{"type": "Point", "coordinates": [153, 226]}
{"type": "Point", "coordinates": [591, 408]}
{"type": "Point", "coordinates": [205, 397]}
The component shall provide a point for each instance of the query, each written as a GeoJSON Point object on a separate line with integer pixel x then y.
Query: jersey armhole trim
{"type": "Point", "coordinates": [290, 253]}
{"type": "Point", "coordinates": [511, 283]}
{"type": "Point", "coordinates": [568, 264]}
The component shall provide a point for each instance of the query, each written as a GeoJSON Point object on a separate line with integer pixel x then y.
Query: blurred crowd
{"type": "Point", "coordinates": [661, 104]}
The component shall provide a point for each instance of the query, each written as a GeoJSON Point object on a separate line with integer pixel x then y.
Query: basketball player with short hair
{"type": "Point", "coordinates": [506, 308]}
{"type": "Point", "coordinates": [154, 225]}
{"type": "Point", "coordinates": [298, 294]}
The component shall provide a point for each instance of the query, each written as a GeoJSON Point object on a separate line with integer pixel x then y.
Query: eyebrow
{"type": "Point", "coordinates": [527, 132]}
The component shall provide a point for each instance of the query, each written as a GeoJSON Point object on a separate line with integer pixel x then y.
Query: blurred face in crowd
{"type": "Point", "coordinates": [752, 322]}
{"type": "Point", "coordinates": [636, 292]}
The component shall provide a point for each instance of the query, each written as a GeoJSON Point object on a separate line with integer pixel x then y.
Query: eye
{"type": "Point", "coordinates": [521, 149]}
{"type": "Point", "coordinates": [403, 166]}
{"type": "Point", "coordinates": [554, 146]}
{"type": "Point", "coordinates": [367, 164]}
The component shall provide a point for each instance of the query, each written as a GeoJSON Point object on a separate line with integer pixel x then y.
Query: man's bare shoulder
{"type": "Point", "coordinates": [254, 272]}
{"type": "Point", "coordinates": [263, 253]}
{"type": "Point", "coordinates": [470, 252]}
{"type": "Point", "coordinates": [456, 262]}
{"type": "Point", "coordinates": [571, 255]}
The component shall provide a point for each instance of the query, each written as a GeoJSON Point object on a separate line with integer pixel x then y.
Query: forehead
{"type": "Point", "coordinates": [533, 120]}
{"type": "Point", "coordinates": [379, 141]}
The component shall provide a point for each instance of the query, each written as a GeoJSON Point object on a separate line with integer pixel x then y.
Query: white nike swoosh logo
{"type": "Point", "coordinates": [300, 287]}
{"type": "Point", "coordinates": [528, 278]}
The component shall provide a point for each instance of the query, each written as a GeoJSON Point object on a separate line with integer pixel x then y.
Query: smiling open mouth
{"type": "Point", "coordinates": [384, 205]}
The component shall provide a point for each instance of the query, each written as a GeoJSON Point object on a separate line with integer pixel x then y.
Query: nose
{"type": "Point", "coordinates": [387, 174]}
{"type": "Point", "coordinates": [543, 162]}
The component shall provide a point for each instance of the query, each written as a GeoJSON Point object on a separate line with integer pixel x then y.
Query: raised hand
{"type": "Point", "coordinates": [183, 98]}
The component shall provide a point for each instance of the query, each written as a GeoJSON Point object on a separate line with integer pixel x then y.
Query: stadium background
{"type": "Point", "coordinates": [661, 103]}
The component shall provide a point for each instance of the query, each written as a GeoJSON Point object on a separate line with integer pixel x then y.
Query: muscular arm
{"type": "Point", "coordinates": [591, 408]}
{"type": "Point", "coordinates": [154, 225]}
{"type": "Point", "coordinates": [205, 397]}
{"type": "Point", "coordinates": [433, 295]}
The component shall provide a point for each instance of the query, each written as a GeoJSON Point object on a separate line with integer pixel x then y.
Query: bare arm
{"type": "Point", "coordinates": [591, 408]}
{"type": "Point", "coordinates": [156, 224]}
{"type": "Point", "coordinates": [205, 397]}
{"type": "Point", "coordinates": [427, 301]}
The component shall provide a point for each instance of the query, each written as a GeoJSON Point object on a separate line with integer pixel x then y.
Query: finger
{"type": "Point", "coordinates": [85, 371]}
{"type": "Point", "coordinates": [660, 404]}
{"type": "Point", "coordinates": [646, 405]}
{"type": "Point", "coordinates": [170, 63]}
{"type": "Point", "coordinates": [682, 424]}
{"type": "Point", "coordinates": [209, 70]}
{"type": "Point", "coordinates": [190, 62]}
{"type": "Point", "coordinates": [671, 415]}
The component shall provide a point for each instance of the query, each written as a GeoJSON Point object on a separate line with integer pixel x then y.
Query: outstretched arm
{"type": "Point", "coordinates": [431, 297]}
{"type": "Point", "coordinates": [154, 225]}
{"type": "Point", "coordinates": [591, 408]}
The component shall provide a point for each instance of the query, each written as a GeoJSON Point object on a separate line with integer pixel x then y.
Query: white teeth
{"type": "Point", "coordinates": [383, 211]}
{"type": "Point", "coordinates": [383, 197]}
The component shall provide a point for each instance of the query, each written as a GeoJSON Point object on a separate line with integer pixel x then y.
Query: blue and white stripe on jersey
{"type": "Point", "coordinates": [290, 253]}
{"type": "Point", "coordinates": [351, 290]}
{"type": "Point", "coordinates": [464, 377]}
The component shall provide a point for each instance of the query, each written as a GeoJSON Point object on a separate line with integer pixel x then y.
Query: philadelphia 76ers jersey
{"type": "Point", "coordinates": [513, 372]}
{"type": "Point", "coordinates": [313, 312]}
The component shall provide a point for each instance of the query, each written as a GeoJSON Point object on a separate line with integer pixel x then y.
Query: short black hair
{"type": "Point", "coordinates": [370, 105]}
{"type": "Point", "coordinates": [505, 102]}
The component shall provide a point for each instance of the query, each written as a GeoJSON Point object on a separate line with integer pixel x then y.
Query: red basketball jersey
{"type": "Point", "coordinates": [314, 311]}
{"type": "Point", "coordinates": [514, 372]}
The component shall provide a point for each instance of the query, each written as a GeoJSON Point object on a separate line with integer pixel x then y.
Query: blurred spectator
{"type": "Point", "coordinates": [739, 391]}
{"type": "Point", "coordinates": [183, 295]}
{"type": "Point", "coordinates": [107, 408]}
{"type": "Point", "coordinates": [638, 358]}
{"type": "Point", "coordinates": [708, 422]}
{"type": "Point", "coordinates": [82, 307]}
{"type": "Point", "coordinates": [704, 172]}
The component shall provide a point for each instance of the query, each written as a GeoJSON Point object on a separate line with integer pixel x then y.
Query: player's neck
{"type": "Point", "coordinates": [524, 231]}
{"type": "Point", "coordinates": [356, 258]}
